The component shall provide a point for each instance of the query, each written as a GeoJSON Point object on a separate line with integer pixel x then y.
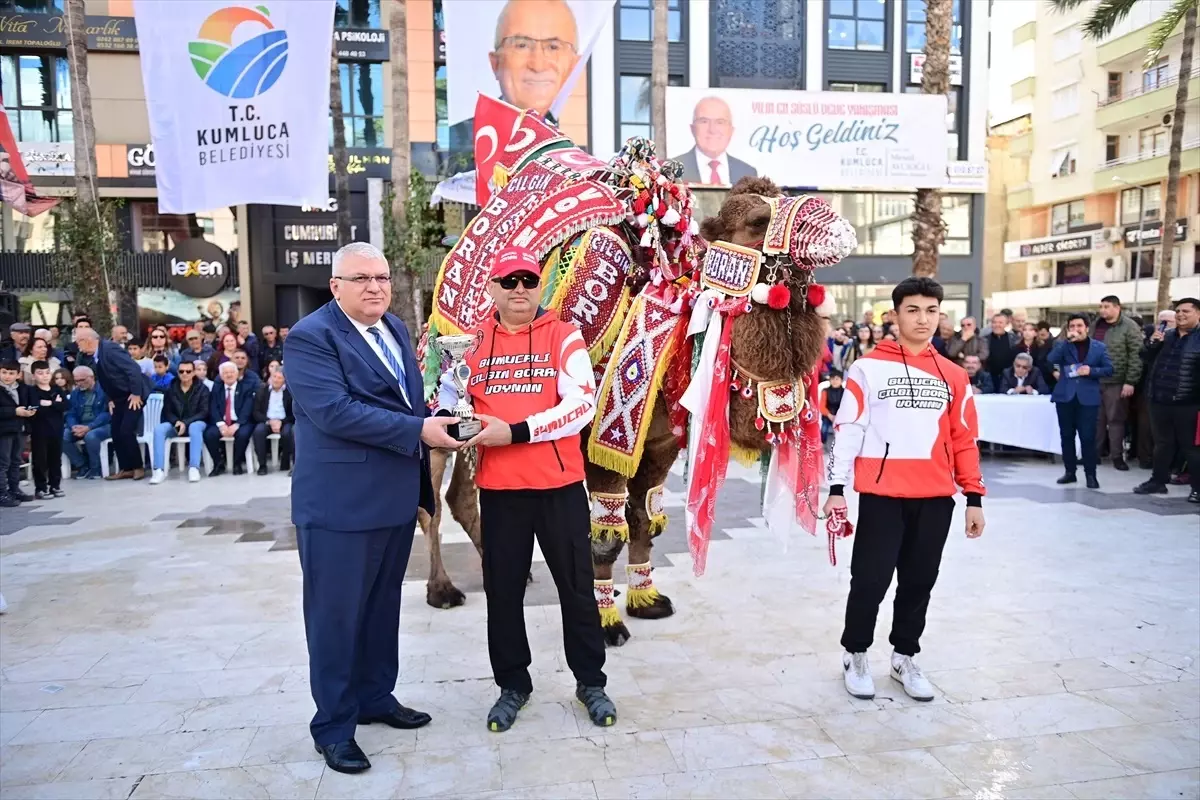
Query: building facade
{"type": "Point", "coordinates": [1084, 221]}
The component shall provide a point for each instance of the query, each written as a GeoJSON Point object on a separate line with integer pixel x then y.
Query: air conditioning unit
{"type": "Point", "coordinates": [1039, 277]}
{"type": "Point", "coordinates": [1113, 235]}
{"type": "Point", "coordinates": [1168, 118]}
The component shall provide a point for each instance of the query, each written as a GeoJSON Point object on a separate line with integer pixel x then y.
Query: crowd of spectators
{"type": "Point", "coordinates": [1128, 387]}
{"type": "Point", "coordinates": [217, 383]}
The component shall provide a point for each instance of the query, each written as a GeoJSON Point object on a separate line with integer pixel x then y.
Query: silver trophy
{"type": "Point", "coordinates": [455, 347]}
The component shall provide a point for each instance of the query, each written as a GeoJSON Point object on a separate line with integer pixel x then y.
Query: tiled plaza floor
{"type": "Point", "coordinates": [153, 648]}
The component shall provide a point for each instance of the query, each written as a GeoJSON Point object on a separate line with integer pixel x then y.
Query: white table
{"type": "Point", "coordinates": [1025, 421]}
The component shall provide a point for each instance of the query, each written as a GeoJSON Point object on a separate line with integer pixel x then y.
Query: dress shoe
{"type": "Point", "coordinates": [345, 757]}
{"type": "Point", "coordinates": [1068, 478]}
{"type": "Point", "coordinates": [262, 470]}
{"type": "Point", "coordinates": [1150, 487]}
{"type": "Point", "coordinates": [20, 496]}
{"type": "Point", "coordinates": [138, 474]}
{"type": "Point", "coordinates": [219, 469]}
{"type": "Point", "coordinates": [400, 717]}
{"type": "Point", "coordinates": [1119, 465]}
{"type": "Point", "coordinates": [8, 501]}
{"type": "Point", "coordinates": [1092, 483]}
{"type": "Point", "coordinates": [239, 470]}
{"type": "Point", "coordinates": [123, 475]}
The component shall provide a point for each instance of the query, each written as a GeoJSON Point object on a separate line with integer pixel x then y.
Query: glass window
{"type": "Point", "coordinates": [157, 233]}
{"type": "Point", "coordinates": [856, 87]}
{"type": "Point", "coordinates": [1067, 42]}
{"type": "Point", "coordinates": [1153, 142]}
{"type": "Point", "coordinates": [1065, 101]}
{"type": "Point", "coordinates": [636, 19]}
{"type": "Point", "coordinates": [1156, 76]}
{"type": "Point", "coordinates": [1131, 206]}
{"type": "Point", "coordinates": [1064, 217]}
{"type": "Point", "coordinates": [883, 222]}
{"type": "Point", "coordinates": [914, 26]}
{"type": "Point", "coordinates": [37, 95]}
{"type": "Point", "coordinates": [357, 14]}
{"type": "Point", "coordinates": [441, 110]}
{"type": "Point", "coordinates": [1062, 162]}
{"type": "Point", "coordinates": [634, 102]}
{"type": "Point", "coordinates": [34, 6]}
{"type": "Point", "coordinates": [1152, 201]}
{"type": "Point", "coordinates": [1077, 270]}
{"type": "Point", "coordinates": [1138, 202]}
{"type": "Point", "coordinates": [757, 44]}
{"type": "Point", "coordinates": [362, 104]}
{"type": "Point", "coordinates": [1112, 148]}
{"type": "Point", "coordinates": [1141, 263]}
{"type": "Point", "coordinates": [856, 25]}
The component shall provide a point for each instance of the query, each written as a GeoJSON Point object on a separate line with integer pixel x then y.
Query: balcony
{"type": "Point", "coordinates": [1024, 88]}
{"type": "Point", "coordinates": [1024, 33]}
{"type": "Point", "coordinates": [1021, 145]}
{"type": "Point", "coordinates": [1143, 168]}
{"type": "Point", "coordinates": [1130, 43]}
{"type": "Point", "coordinates": [1140, 102]}
{"type": "Point", "coordinates": [1019, 197]}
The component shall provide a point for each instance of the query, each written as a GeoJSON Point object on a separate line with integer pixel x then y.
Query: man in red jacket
{"type": "Point", "coordinates": [532, 386]}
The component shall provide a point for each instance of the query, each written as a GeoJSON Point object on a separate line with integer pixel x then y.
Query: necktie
{"type": "Point", "coordinates": [391, 358]}
{"type": "Point", "coordinates": [228, 406]}
{"type": "Point", "coordinates": [714, 176]}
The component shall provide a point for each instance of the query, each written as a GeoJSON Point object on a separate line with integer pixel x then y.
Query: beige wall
{"type": "Point", "coordinates": [118, 99]}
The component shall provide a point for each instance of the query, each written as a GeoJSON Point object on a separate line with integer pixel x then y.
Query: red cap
{"type": "Point", "coordinates": [511, 260]}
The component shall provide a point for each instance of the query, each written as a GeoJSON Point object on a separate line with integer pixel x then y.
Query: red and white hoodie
{"type": "Point", "coordinates": [906, 427]}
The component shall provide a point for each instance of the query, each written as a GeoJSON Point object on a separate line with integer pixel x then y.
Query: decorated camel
{"type": "Point", "coordinates": [622, 258]}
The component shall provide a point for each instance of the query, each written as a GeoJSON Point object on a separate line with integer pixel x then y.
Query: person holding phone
{"type": "Point", "coordinates": [1079, 362]}
{"type": "Point", "coordinates": [14, 413]}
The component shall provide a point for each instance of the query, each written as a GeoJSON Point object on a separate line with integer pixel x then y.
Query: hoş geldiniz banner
{"type": "Point", "coordinates": [830, 140]}
{"type": "Point", "coordinates": [238, 98]}
{"type": "Point", "coordinates": [528, 53]}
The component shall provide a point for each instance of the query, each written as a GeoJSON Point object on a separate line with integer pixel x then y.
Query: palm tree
{"type": "Point", "coordinates": [928, 227]}
{"type": "Point", "coordinates": [89, 226]}
{"type": "Point", "coordinates": [1099, 23]}
{"type": "Point", "coordinates": [407, 294]}
{"type": "Point", "coordinates": [341, 177]}
{"type": "Point", "coordinates": [658, 79]}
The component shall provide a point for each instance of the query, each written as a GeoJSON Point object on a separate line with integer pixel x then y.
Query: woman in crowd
{"type": "Point", "coordinates": [36, 350]}
{"type": "Point", "coordinates": [227, 346]}
{"type": "Point", "coordinates": [63, 379]}
{"type": "Point", "coordinates": [158, 343]}
{"type": "Point", "coordinates": [864, 342]}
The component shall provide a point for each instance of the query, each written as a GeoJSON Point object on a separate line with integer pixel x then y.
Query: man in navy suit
{"type": "Point", "coordinates": [361, 470]}
{"type": "Point", "coordinates": [1079, 363]}
{"type": "Point", "coordinates": [123, 383]}
{"type": "Point", "coordinates": [709, 162]}
{"type": "Point", "coordinates": [230, 413]}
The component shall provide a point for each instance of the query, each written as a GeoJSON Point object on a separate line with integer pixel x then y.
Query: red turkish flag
{"type": "Point", "coordinates": [504, 134]}
{"type": "Point", "coordinates": [15, 187]}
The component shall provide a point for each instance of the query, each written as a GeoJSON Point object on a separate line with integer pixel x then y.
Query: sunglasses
{"type": "Point", "coordinates": [509, 282]}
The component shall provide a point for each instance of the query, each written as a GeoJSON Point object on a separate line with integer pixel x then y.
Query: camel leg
{"type": "Point", "coordinates": [606, 490]}
{"type": "Point", "coordinates": [440, 592]}
{"type": "Point", "coordinates": [463, 498]}
{"type": "Point", "coordinates": [647, 518]}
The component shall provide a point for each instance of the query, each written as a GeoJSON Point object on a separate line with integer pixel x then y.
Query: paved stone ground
{"type": "Point", "coordinates": [154, 648]}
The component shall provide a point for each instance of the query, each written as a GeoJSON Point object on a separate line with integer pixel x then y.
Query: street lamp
{"type": "Point", "coordinates": [1141, 227]}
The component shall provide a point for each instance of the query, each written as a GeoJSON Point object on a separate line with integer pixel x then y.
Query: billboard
{"type": "Point", "coordinates": [529, 53]}
{"type": "Point", "coordinates": [829, 140]}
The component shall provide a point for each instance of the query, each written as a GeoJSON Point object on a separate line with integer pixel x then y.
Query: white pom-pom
{"type": "Point", "coordinates": [828, 308]}
{"type": "Point", "coordinates": [646, 240]}
{"type": "Point", "coordinates": [671, 217]}
{"type": "Point", "coordinates": [694, 228]}
{"type": "Point", "coordinates": [759, 293]}
{"type": "Point", "coordinates": [662, 180]}
{"type": "Point", "coordinates": [643, 220]}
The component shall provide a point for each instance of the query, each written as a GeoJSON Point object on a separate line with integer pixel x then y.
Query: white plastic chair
{"type": "Point", "coordinates": [151, 416]}
{"type": "Point", "coordinates": [178, 445]}
{"type": "Point", "coordinates": [250, 465]}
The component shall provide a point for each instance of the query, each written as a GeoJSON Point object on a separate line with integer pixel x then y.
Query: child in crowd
{"type": "Point", "coordinates": [162, 377]}
{"type": "Point", "coordinates": [46, 430]}
{"type": "Point", "coordinates": [63, 379]}
{"type": "Point", "coordinates": [14, 411]}
{"type": "Point", "coordinates": [831, 401]}
{"type": "Point", "coordinates": [135, 352]}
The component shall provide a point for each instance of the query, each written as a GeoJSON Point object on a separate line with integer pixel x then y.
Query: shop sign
{"type": "Point", "coordinates": [1150, 232]}
{"type": "Point", "coordinates": [916, 68]}
{"type": "Point", "coordinates": [306, 237]}
{"type": "Point", "coordinates": [198, 268]}
{"type": "Point", "coordinates": [369, 162]}
{"type": "Point", "coordinates": [44, 159]}
{"type": "Point", "coordinates": [139, 160]}
{"type": "Point", "coordinates": [967, 176]}
{"type": "Point", "coordinates": [362, 44]}
{"type": "Point", "coordinates": [49, 31]}
{"type": "Point", "coordinates": [1055, 246]}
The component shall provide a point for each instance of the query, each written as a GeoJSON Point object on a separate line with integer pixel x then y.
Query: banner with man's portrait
{"type": "Point", "coordinates": [529, 53]}
{"type": "Point", "coordinates": [827, 140]}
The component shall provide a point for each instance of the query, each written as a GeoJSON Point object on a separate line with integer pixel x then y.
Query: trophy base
{"type": "Point", "coordinates": [464, 430]}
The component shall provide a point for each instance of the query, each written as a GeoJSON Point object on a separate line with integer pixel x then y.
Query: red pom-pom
{"type": "Point", "coordinates": [816, 294]}
{"type": "Point", "coordinates": [639, 205]}
{"type": "Point", "coordinates": [778, 297]}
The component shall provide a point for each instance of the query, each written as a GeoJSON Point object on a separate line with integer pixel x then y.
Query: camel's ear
{"type": "Point", "coordinates": [712, 230]}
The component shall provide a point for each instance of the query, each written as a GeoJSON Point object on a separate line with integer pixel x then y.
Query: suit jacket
{"type": "Point", "coordinates": [118, 374]}
{"type": "Point", "coordinates": [262, 402]}
{"type": "Point", "coordinates": [243, 404]}
{"type": "Point", "coordinates": [738, 169]}
{"type": "Point", "coordinates": [1085, 388]}
{"type": "Point", "coordinates": [360, 463]}
{"type": "Point", "coordinates": [1034, 379]}
{"type": "Point", "coordinates": [10, 423]}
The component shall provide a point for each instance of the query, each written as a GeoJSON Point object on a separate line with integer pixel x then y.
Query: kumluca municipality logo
{"type": "Point", "coordinates": [242, 70]}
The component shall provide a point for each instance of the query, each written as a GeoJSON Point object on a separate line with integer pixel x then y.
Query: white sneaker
{"type": "Point", "coordinates": [158, 477]}
{"type": "Point", "coordinates": [3, 605]}
{"type": "Point", "coordinates": [856, 671]}
{"type": "Point", "coordinates": [193, 475]}
{"type": "Point", "coordinates": [916, 685]}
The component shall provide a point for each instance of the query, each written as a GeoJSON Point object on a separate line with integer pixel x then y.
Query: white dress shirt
{"type": "Point", "coordinates": [275, 409]}
{"type": "Point", "coordinates": [704, 168]}
{"type": "Point", "coordinates": [373, 343]}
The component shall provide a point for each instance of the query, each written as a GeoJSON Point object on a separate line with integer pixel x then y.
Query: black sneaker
{"type": "Point", "coordinates": [599, 707]}
{"type": "Point", "coordinates": [56, 492]}
{"type": "Point", "coordinates": [1119, 465]}
{"type": "Point", "coordinates": [20, 496]}
{"type": "Point", "coordinates": [1194, 497]}
{"type": "Point", "coordinates": [8, 501]}
{"type": "Point", "coordinates": [262, 470]}
{"type": "Point", "coordinates": [504, 711]}
{"type": "Point", "coordinates": [1150, 487]}
{"type": "Point", "coordinates": [1092, 483]}
{"type": "Point", "coordinates": [1068, 478]}
{"type": "Point", "coordinates": [40, 494]}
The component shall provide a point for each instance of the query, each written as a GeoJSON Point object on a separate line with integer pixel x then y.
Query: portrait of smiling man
{"type": "Point", "coordinates": [708, 162]}
{"type": "Point", "coordinates": [535, 49]}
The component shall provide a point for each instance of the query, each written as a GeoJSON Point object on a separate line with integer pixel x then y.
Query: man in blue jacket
{"type": "Point", "coordinates": [87, 422]}
{"type": "Point", "coordinates": [1079, 362]}
{"type": "Point", "coordinates": [231, 414]}
{"type": "Point", "coordinates": [123, 382]}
